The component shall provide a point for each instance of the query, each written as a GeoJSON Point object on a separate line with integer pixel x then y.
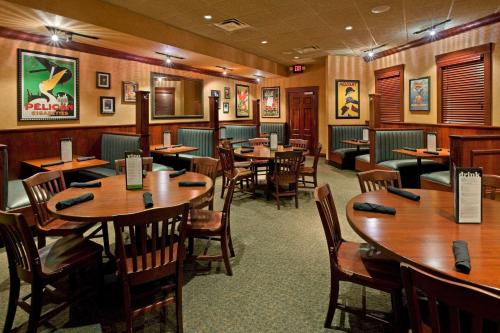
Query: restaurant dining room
{"type": "Point", "coordinates": [250, 166]}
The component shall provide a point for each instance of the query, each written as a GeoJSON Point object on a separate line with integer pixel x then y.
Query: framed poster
{"type": "Point", "coordinates": [128, 91]}
{"type": "Point", "coordinates": [102, 80]}
{"type": "Point", "coordinates": [420, 94]}
{"type": "Point", "coordinates": [107, 105]}
{"type": "Point", "coordinates": [270, 102]}
{"type": "Point", "coordinates": [227, 93]}
{"type": "Point", "coordinates": [226, 107]}
{"type": "Point", "coordinates": [347, 99]}
{"type": "Point", "coordinates": [47, 86]}
{"type": "Point", "coordinates": [242, 101]}
{"type": "Point", "coordinates": [215, 93]}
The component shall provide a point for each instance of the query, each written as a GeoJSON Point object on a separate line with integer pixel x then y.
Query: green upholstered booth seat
{"type": "Point", "coordinates": [406, 163]}
{"type": "Point", "coordinates": [441, 177]}
{"type": "Point", "coordinates": [364, 158]}
{"type": "Point", "coordinates": [17, 196]}
{"type": "Point", "coordinates": [240, 132]}
{"type": "Point", "coordinates": [201, 138]}
{"type": "Point", "coordinates": [341, 133]}
{"type": "Point", "coordinates": [279, 128]}
{"type": "Point", "coordinates": [345, 151]}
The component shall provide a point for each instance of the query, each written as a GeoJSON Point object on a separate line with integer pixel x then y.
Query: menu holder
{"type": "Point", "coordinates": [468, 195]}
{"type": "Point", "coordinates": [66, 146]}
{"type": "Point", "coordinates": [133, 170]}
{"type": "Point", "coordinates": [432, 141]}
{"type": "Point", "coordinates": [222, 133]}
{"type": "Point", "coordinates": [366, 134]}
{"type": "Point", "coordinates": [167, 136]}
{"type": "Point", "coordinates": [273, 141]}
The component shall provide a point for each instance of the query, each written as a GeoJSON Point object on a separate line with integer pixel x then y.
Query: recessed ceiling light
{"type": "Point", "coordinates": [296, 57]}
{"type": "Point", "coordinates": [264, 42]}
{"type": "Point", "coordinates": [381, 9]}
{"type": "Point", "coordinates": [207, 17]}
{"type": "Point", "coordinates": [349, 27]}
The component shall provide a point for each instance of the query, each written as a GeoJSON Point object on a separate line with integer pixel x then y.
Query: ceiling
{"type": "Point", "coordinates": [289, 25]}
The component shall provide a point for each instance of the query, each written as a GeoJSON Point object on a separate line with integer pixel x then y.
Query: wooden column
{"type": "Point", "coordinates": [213, 103]}
{"type": "Point", "coordinates": [142, 119]}
{"type": "Point", "coordinates": [374, 110]}
{"type": "Point", "coordinates": [256, 114]}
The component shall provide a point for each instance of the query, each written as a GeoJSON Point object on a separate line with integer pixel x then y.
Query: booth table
{"type": "Point", "coordinates": [263, 152]}
{"type": "Point", "coordinates": [74, 165]}
{"type": "Point", "coordinates": [357, 143]}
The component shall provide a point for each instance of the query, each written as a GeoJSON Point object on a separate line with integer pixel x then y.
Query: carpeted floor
{"type": "Point", "coordinates": [280, 282]}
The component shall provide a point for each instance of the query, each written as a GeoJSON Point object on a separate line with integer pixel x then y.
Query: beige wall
{"type": "Point", "coordinates": [121, 70]}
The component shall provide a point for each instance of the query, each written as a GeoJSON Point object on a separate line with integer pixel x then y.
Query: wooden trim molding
{"type": "Point", "coordinates": [389, 71]}
{"type": "Point", "coordinates": [481, 22]}
{"type": "Point", "coordinates": [106, 52]}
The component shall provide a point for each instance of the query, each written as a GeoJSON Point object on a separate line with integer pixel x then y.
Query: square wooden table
{"type": "Point", "coordinates": [74, 165]}
{"type": "Point", "coordinates": [421, 153]}
{"type": "Point", "coordinates": [171, 150]}
{"type": "Point", "coordinates": [357, 143]}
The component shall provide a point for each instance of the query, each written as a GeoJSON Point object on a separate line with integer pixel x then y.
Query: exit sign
{"type": "Point", "coordinates": [298, 68]}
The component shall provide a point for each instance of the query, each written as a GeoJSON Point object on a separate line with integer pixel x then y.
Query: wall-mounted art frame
{"type": "Point", "coordinates": [47, 86]}
{"type": "Point", "coordinates": [102, 80]}
{"type": "Point", "coordinates": [420, 94]}
{"type": "Point", "coordinates": [215, 93]}
{"type": "Point", "coordinates": [107, 105]}
{"type": "Point", "coordinates": [347, 101]}
{"type": "Point", "coordinates": [128, 91]}
{"type": "Point", "coordinates": [227, 93]}
{"type": "Point", "coordinates": [225, 109]}
{"type": "Point", "coordinates": [242, 101]}
{"type": "Point", "coordinates": [270, 107]}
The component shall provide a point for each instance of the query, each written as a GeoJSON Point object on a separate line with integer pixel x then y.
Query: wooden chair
{"type": "Point", "coordinates": [240, 164]}
{"type": "Point", "coordinates": [40, 188]}
{"type": "Point", "coordinates": [155, 253]}
{"type": "Point", "coordinates": [312, 171]}
{"type": "Point", "coordinates": [283, 182]}
{"type": "Point", "coordinates": [209, 167]}
{"type": "Point", "coordinates": [207, 224]}
{"type": "Point", "coordinates": [259, 166]}
{"type": "Point", "coordinates": [374, 180]}
{"type": "Point", "coordinates": [452, 306]}
{"type": "Point", "coordinates": [299, 143]}
{"type": "Point", "coordinates": [231, 171]}
{"type": "Point", "coordinates": [41, 268]}
{"type": "Point", "coordinates": [350, 262]}
{"type": "Point", "coordinates": [147, 164]}
{"type": "Point", "coordinates": [491, 187]}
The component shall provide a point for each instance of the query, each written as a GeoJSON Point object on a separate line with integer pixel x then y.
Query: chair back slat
{"type": "Point", "coordinates": [299, 143]}
{"type": "Point", "coordinates": [452, 306]}
{"type": "Point", "coordinates": [375, 180]}
{"type": "Point", "coordinates": [147, 164]}
{"type": "Point", "coordinates": [491, 187]}
{"type": "Point", "coordinates": [142, 260]}
{"type": "Point", "coordinates": [40, 188]}
{"type": "Point", "coordinates": [329, 219]}
{"type": "Point", "coordinates": [317, 153]}
{"type": "Point", "coordinates": [258, 141]}
{"type": "Point", "coordinates": [287, 167]}
{"type": "Point", "coordinates": [226, 210]}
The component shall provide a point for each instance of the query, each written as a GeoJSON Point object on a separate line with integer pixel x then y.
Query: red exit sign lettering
{"type": "Point", "coordinates": [298, 68]}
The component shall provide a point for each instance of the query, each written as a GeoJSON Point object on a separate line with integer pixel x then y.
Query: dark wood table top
{"type": "Point", "coordinates": [263, 152]}
{"type": "Point", "coordinates": [421, 233]}
{"type": "Point", "coordinates": [66, 167]}
{"type": "Point", "coordinates": [172, 150]}
{"type": "Point", "coordinates": [114, 199]}
{"type": "Point", "coordinates": [356, 142]}
{"type": "Point", "coordinates": [420, 153]}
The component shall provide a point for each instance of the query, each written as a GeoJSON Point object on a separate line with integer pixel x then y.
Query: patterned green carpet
{"type": "Point", "coordinates": [280, 282]}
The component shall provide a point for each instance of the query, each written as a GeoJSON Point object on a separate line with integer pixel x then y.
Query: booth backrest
{"type": "Point", "coordinates": [279, 128]}
{"type": "Point", "coordinates": [202, 138]}
{"type": "Point", "coordinates": [340, 133]}
{"type": "Point", "coordinates": [386, 141]}
{"type": "Point", "coordinates": [241, 132]}
{"type": "Point", "coordinates": [114, 146]}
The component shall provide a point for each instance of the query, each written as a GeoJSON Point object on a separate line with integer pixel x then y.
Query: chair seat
{"type": "Point", "coordinates": [66, 253]}
{"type": "Point", "coordinates": [343, 151]}
{"type": "Point", "coordinates": [58, 227]}
{"type": "Point", "coordinates": [442, 177]}
{"type": "Point", "coordinates": [283, 181]}
{"type": "Point", "coordinates": [204, 221]}
{"type": "Point", "coordinates": [241, 173]}
{"type": "Point", "coordinates": [17, 198]}
{"type": "Point", "coordinates": [243, 164]}
{"type": "Point", "coordinates": [398, 164]}
{"type": "Point", "coordinates": [364, 158]}
{"type": "Point", "coordinates": [160, 167]}
{"type": "Point", "coordinates": [307, 171]}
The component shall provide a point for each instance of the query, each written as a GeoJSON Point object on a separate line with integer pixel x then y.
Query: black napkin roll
{"type": "Point", "coordinates": [177, 145]}
{"type": "Point", "coordinates": [161, 148]}
{"type": "Point", "coordinates": [148, 200]}
{"type": "Point", "coordinates": [244, 151]}
{"type": "Point", "coordinates": [462, 258]}
{"type": "Point", "coordinates": [191, 183]}
{"type": "Point", "coordinates": [85, 158]}
{"type": "Point", "coordinates": [371, 207]}
{"type": "Point", "coordinates": [410, 148]}
{"type": "Point", "coordinates": [403, 193]}
{"type": "Point", "coordinates": [363, 141]}
{"type": "Point", "coordinates": [52, 163]}
{"type": "Point", "coordinates": [78, 184]}
{"type": "Point", "coordinates": [74, 201]}
{"type": "Point", "coordinates": [177, 173]}
{"type": "Point", "coordinates": [287, 146]}
{"type": "Point", "coordinates": [431, 152]}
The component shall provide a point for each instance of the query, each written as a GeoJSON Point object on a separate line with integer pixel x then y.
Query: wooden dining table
{"type": "Point", "coordinates": [71, 166]}
{"type": "Point", "coordinates": [263, 152]}
{"type": "Point", "coordinates": [421, 234]}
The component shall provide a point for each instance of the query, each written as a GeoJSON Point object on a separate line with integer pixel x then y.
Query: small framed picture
{"type": "Point", "coordinates": [103, 80]}
{"type": "Point", "coordinates": [215, 93]}
{"type": "Point", "coordinates": [227, 92]}
{"type": "Point", "coordinates": [107, 105]}
{"type": "Point", "coordinates": [226, 107]}
{"type": "Point", "coordinates": [128, 91]}
{"type": "Point", "coordinates": [420, 94]}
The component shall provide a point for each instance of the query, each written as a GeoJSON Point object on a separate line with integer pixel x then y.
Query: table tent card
{"type": "Point", "coordinates": [167, 139]}
{"type": "Point", "coordinates": [468, 195]}
{"type": "Point", "coordinates": [222, 133]}
{"type": "Point", "coordinates": [273, 141]}
{"type": "Point", "coordinates": [66, 149]}
{"type": "Point", "coordinates": [133, 170]}
{"type": "Point", "coordinates": [366, 134]}
{"type": "Point", "coordinates": [432, 141]}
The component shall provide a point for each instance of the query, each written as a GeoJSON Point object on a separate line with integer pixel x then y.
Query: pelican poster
{"type": "Point", "coordinates": [242, 101]}
{"type": "Point", "coordinates": [270, 102]}
{"type": "Point", "coordinates": [347, 96]}
{"type": "Point", "coordinates": [47, 86]}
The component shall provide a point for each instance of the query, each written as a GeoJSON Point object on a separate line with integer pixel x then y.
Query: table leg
{"type": "Point", "coordinates": [419, 167]}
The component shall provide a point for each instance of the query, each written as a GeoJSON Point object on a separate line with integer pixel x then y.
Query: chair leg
{"type": "Point", "coordinates": [315, 180]}
{"type": "Point", "coordinates": [178, 301]}
{"type": "Point", "coordinates": [225, 254]}
{"type": "Point", "coordinates": [223, 186]}
{"type": "Point", "coordinates": [296, 198]}
{"type": "Point", "coordinates": [397, 310]}
{"type": "Point", "coordinates": [334, 296]}
{"type": "Point", "coordinates": [36, 306]}
{"type": "Point", "coordinates": [41, 240]}
{"type": "Point", "coordinates": [127, 307]}
{"type": "Point", "coordinates": [231, 249]}
{"type": "Point", "coordinates": [13, 298]}
{"type": "Point", "coordinates": [105, 238]}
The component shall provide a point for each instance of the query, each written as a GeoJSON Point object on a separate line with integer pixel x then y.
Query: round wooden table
{"type": "Point", "coordinates": [421, 234]}
{"type": "Point", "coordinates": [114, 199]}
{"type": "Point", "coordinates": [263, 152]}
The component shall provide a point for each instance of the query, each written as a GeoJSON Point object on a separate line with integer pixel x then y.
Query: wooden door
{"type": "Point", "coordinates": [302, 114]}
{"type": "Point", "coordinates": [164, 101]}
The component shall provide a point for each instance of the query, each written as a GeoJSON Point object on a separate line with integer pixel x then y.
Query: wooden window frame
{"type": "Point", "coordinates": [460, 57]}
{"type": "Point", "coordinates": [390, 71]}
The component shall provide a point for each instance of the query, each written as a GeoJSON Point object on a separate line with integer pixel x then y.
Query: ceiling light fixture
{"type": "Point", "coordinates": [296, 57]}
{"type": "Point", "coordinates": [432, 32]}
{"type": "Point", "coordinates": [258, 77]}
{"type": "Point", "coordinates": [56, 32]}
{"type": "Point", "coordinates": [207, 17]}
{"type": "Point", "coordinates": [169, 60]}
{"type": "Point", "coordinates": [380, 9]}
{"type": "Point", "coordinates": [54, 37]}
{"type": "Point", "coordinates": [169, 57]}
{"type": "Point", "coordinates": [349, 27]}
{"type": "Point", "coordinates": [371, 52]}
{"type": "Point", "coordinates": [264, 42]}
{"type": "Point", "coordinates": [224, 69]}
{"type": "Point", "coordinates": [432, 28]}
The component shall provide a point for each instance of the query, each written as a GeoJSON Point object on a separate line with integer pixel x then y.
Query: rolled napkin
{"type": "Point", "coordinates": [354, 140]}
{"type": "Point", "coordinates": [244, 151]}
{"type": "Point", "coordinates": [371, 207]}
{"type": "Point", "coordinates": [78, 184]}
{"type": "Point", "coordinates": [177, 145]}
{"type": "Point", "coordinates": [403, 193]}
{"type": "Point", "coordinates": [363, 141]}
{"type": "Point", "coordinates": [51, 163]}
{"type": "Point", "coordinates": [410, 148]}
{"type": "Point", "coordinates": [74, 201]}
{"type": "Point", "coordinates": [148, 200]}
{"type": "Point", "coordinates": [161, 148]}
{"type": "Point", "coordinates": [462, 258]}
{"type": "Point", "coordinates": [85, 158]}
{"type": "Point", "coordinates": [431, 152]}
{"type": "Point", "coordinates": [177, 173]}
{"type": "Point", "coordinates": [191, 183]}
